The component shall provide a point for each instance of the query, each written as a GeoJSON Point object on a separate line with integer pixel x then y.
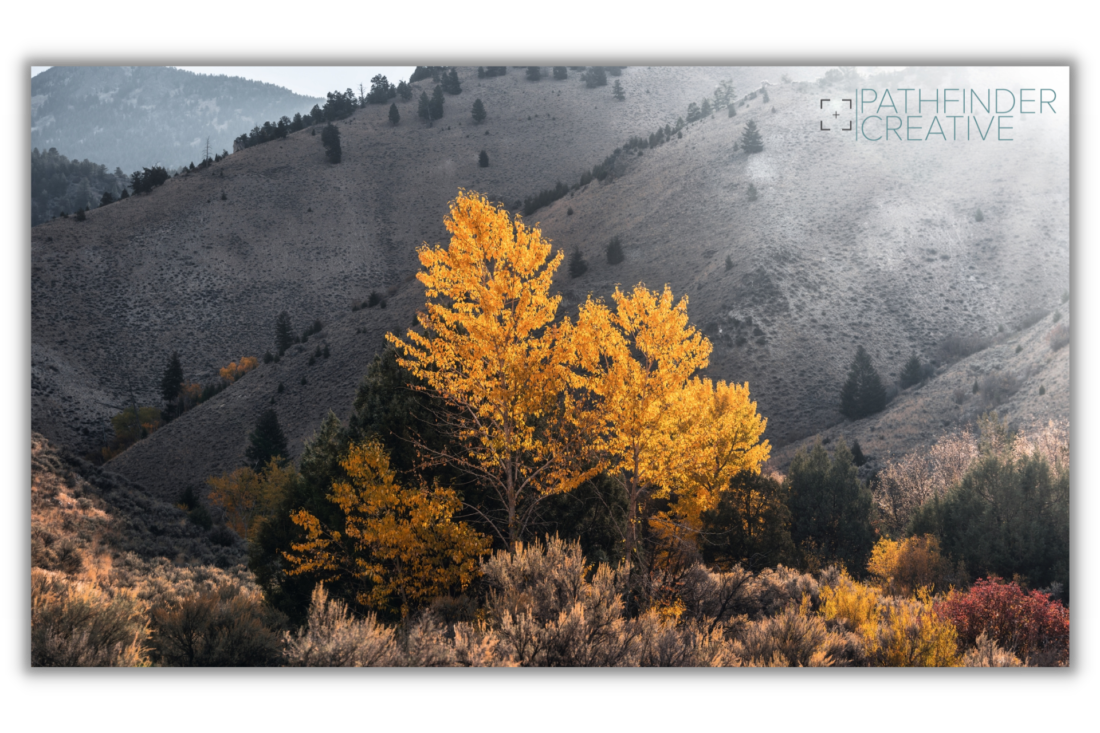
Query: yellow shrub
{"type": "Point", "coordinates": [248, 498]}
{"type": "Point", "coordinates": [903, 567]}
{"type": "Point", "coordinates": [896, 632]}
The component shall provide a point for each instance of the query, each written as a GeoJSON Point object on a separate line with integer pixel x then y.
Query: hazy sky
{"type": "Point", "coordinates": [313, 81]}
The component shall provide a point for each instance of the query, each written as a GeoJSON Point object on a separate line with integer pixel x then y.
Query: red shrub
{"type": "Point", "coordinates": [1028, 624]}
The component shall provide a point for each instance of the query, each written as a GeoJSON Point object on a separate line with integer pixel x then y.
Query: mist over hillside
{"type": "Point", "coordinates": [140, 116]}
{"type": "Point", "coordinates": [837, 244]}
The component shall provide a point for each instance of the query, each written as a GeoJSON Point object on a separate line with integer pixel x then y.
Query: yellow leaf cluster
{"type": "Point", "coordinates": [237, 369]}
{"type": "Point", "coordinates": [404, 542]}
{"type": "Point", "coordinates": [903, 567]}
{"type": "Point", "coordinates": [249, 498]}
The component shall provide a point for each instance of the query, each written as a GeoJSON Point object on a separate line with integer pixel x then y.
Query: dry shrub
{"type": "Point", "coordinates": [907, 483]}
{"type": "Point", "coordinates": [986, 653]}
{"type": "Point", "coordinates": [1051, 441]}
{"type": "Point", "coordinates": [1058, 337]}
{"type": "Point", "coordinates": [77, 624]}
{"type": "Point", "coordinates": [334, 638]}
{"type": "Point", "coordinates": [795, 638]}
{"type": "Point", "coordinates": [996, 387]}
{"type": "Point", "coordinates": [954, 348]}
{"type": "Point", "coordinates": [229, 627]}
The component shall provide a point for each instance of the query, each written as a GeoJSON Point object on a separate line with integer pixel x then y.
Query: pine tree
{"type": "Point", "coordinates": [284, 333]}
{"type": "Point", "coordinates": [577, 264]}
{"type": "Point", "coordinates": [435, 107]}
{"type": "Point", "coordinates": [107, 198]}
{"type": "Point", "coordinates": [404, 91]}
{"type": "Point", "coordinates": [615, 252]}
{"type": "Point", "coordinates": [704, 109]}
{"type": "Point", "coordinates": [171, 382]}
{"type": "Point", "coordinates": [479, 112]}
{"type": "Point", "coordinates": [751, 142]}
{"type": "Point", "coordinates": [617, 90]}
{"type": "Point", "coordinates": [451, 84]}
{"type": "Point", "coordinates": [830, 509]}
{"type": "Point", "coordinates": [80, 215]}
{"type": "Point", "coordinates": [395, 116]}
{"type": "Point", "coordinates": [330, 138]}
{"type": "Point", "coordinates": [595, 77]}
{"type": "Point", "coordinates": [560, 72]}
{"type": "Point", "coordinates": [534, 73]}
{"type": "Point", "coordinates": [483, 159]}
{"type": "Point", "coordinates": [912, 373]}
{"type": "Point", "coordinates": [424, 108]}
{"type": "Point", "coordinates": [863, 393]}
{"type": "Point", "coordinates": [266, 442]}
{"type": "Point", "coordinates": [857, 454]}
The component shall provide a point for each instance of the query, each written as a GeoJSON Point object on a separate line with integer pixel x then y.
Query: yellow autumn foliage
{"type": "Point", "coordinates": [249, 498]}
{"type": "Point", "coordinates": [489, 347]}
{"type": "Point", "coordinates": [896, 632]}
{"type": "Point", "coordinates": [402, 541]}
{"type": "Point", "coordinates": [237, 369]}
{"type": "Point", "coordinates": [901, 568]}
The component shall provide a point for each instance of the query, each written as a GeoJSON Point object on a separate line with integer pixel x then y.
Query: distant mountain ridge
{"type": "Point", "coordinates": [138, 116]}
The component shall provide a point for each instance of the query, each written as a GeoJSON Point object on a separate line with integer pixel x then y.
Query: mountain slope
{"type": "Point", "coordinates": [846, 244]}
{"type": "Point", "coordinates": [140, 116]}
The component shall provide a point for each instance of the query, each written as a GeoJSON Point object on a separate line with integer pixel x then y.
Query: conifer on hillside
{"type": "Point", "coordinates": [863, 393]}
{"type": "Point", "coordinates": [751, 142]}
{"type": "Point", "coordinates": [266, 442]}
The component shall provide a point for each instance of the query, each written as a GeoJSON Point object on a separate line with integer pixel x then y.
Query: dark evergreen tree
{"type": "Point", "coordinates": [595, 77]}
{"type": "Point", "coordinates": [693, 112]}
{"type": "Point", "coordinates": [863, 393]}
{"type": "Point", "coordinates": [534, 73]}
{"type": "Point", "coordinates": [424, 108]}
{"type": "Point", "coordinates": [857, 454]}
{"type": "Point", "coordinates": [316, 115]}
{"type": "Point", "coordinates": [617, 91]}
{"type": "Point", "coordinates": [704, 109]}
{"type": "Point", "coordinates": [395, 116]}
{"type": "Point", "coordinates": [284, 333]}
{"type": "Point", "coordinates": [107, 198]}
{"type": "Point", "coordinates": [561, 72]}
{"type": "Point", "coordinates": [830, 509]}
{"type": "Point", "coordinates": [420, 72]}
{"type": "Point", "coordinates": [750, 526]}
{"type": "Point", "coordinates": [404, 91]}
{"type": "Point", "coordinates": [172, 380]}
{"type": "Point", "coordinates": [124, 195]}
{"type": "Point", "coordinates": [483, 159]}
{"type": "Point", "coordinates": [80, 215]}
{"type": "Point", "coordinates": [451, 84]}
{"type": "Point", "coordinates": [732, 109]}
{"type": "Point", "coordinates": [478, 112]}
{"type": "Point", "coordinates": [481, 72]}
{"type": "Point", "coordinates": [436, 104]}
{"type": "Point", "coordinates": [577, 264]}
{"type": "Point", "coordinates": [266, 442]}
{"type": "Point", "coordinates": [330, 138]}
{"type": "Point", "coordinates": [913, 373]}
{"type": "Point", "coordinates": [615, 251]}
{"type": "Point", "coordinates": [381, 91]}
{"type": "Point", "coordinates": [751, 142]}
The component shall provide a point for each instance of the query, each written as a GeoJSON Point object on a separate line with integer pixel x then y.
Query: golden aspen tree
{"type": "Point", "coordinates": [490, 350]}
{"type": "Point", "coordinates": [636, 361]}
{"type": "Point", "coordinates": [401, 543]}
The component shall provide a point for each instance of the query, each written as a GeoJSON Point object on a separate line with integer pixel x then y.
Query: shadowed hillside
{"type": "Point", "coordinates": [845, 244]}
